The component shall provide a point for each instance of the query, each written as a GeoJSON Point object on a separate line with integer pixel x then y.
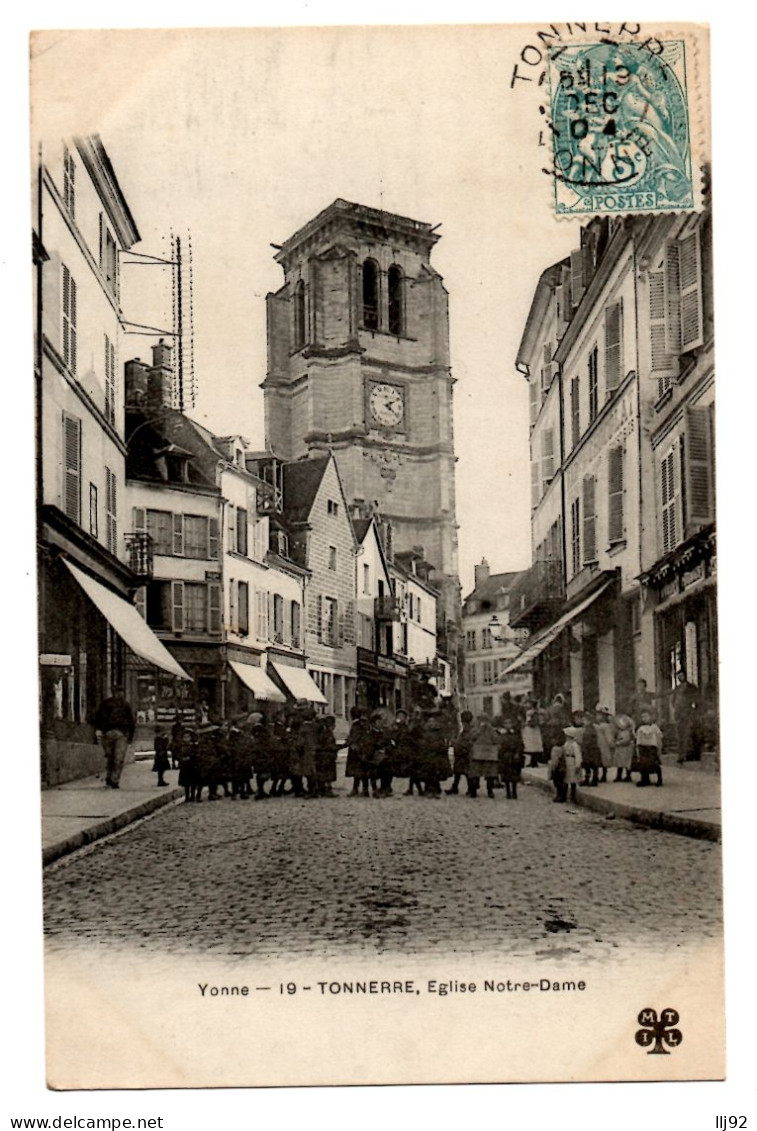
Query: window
{"type": "Point", "coordinates": [110, 381]}
{"type": "Point", "coordinates": [593, 384]}
{"type": "Point", "coordinates": [111, 527]}
{"type": "Point", "coordinates": [259, 539]}
{"type": "Point", "coordinates": [178, 535]}
{"type": "Point", "coordinates": [330, 623]}
{"type": "Point", "coordinates": [332, 507]}
{"type": "Point", "coordinates": [670, 489]}
{"type": "Point", "coordinates": [93, 510]}
{"type": "Point", "coordinates": [195, 607]}
{"type": "Point", "coordinates": [590, 520]}
{"type": "Point", "coordinates": [243, 608]}
{"type": "Point", "coordinates": [278, 618]}
{"type": "Point", "coordinates": [332, 557]}
{"type": "Point", "coordinates": [261, 614]}
{"type": "Point", "coordinates": [487, 642]}
{"type": "Point", "coordinates": [213, 539]}
{"type": "Point", "coordinates": [418, 609]}
{"type": "Point", "coordinates": [675, 306]}
{"type": "Point", "coordinates": [370, 294]}
{"type": "Point", "coordinates": [366, 632]}
{"type": "Point", "coordinates": [108, 257]}
{"type": "Point", "coordinates": [613, 346]}
{"type": "Point", "coordinates": [488, 673]}
{"type": "Point", "coordinates": [575, 535]}
{"type": "Point", "coordinates": [72, 467]}
{"type": "Point", "coordinates": [160, 529]}
{"type": "Point", "coordinates": [195, 536]}
{"type": "Point", "coordinates": [366, 579]}
{"type": "Point", "coordinates": [299, 315]}
{"type": "Point", "coordinates": [615, 494]}
{"type": "Point", "coordinates": [470, 675]}
{"type": "Point", "coordinates": [547, 458]}
{"type": "Point", "coordinates": [470, 640]}
{"type": "Point", "coordinates": [294, 624]}
{"type": "Point", "coordinates": [241, 540]}
{"type": "Point", "coordinates": [575, 411]}
{"type": "Point", "coordinates": [69, 182]}
{"type": "Point", "coordinates": [69, 320]}
{"type": "Point", "coordinates": [394, 286]}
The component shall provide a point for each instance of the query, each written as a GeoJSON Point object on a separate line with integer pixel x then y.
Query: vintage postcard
{"type": "Point", "coordinates": [377, 574]}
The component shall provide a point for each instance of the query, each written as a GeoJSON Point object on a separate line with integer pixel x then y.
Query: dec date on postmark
{"type": "Point", "coordinates": [620, 128]}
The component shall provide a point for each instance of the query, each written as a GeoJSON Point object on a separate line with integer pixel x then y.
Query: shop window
{"type": "Point", "coordinates": [370, 294]}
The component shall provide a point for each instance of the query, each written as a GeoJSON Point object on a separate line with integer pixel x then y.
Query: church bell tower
{"type": "Point", "coordinates": [358, 364]}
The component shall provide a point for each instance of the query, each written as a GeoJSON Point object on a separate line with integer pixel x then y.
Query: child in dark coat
{"type": "Point", "coordinates": [511, 758]}
{"type": "Point", "coordinates": [161, 761]}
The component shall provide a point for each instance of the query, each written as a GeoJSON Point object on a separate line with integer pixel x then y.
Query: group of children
{"type": "Point", "coordinates": [582, 754]}
{"type": "Point", "coordinates": [297, 747]}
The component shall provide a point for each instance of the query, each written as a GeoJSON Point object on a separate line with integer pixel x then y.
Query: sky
{"type": "Point", "coordinates": [240, 137]}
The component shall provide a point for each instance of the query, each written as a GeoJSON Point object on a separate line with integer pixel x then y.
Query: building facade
{"type": "Point", "coordinates": [358, 364]}
{"type": "Point", "coordinates": [490, 647]}
{"type": "Point", "coordinates": [89, 565]}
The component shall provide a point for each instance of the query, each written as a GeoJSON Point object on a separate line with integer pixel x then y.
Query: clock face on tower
{"type": "Point", "coordinates": [387, 404]}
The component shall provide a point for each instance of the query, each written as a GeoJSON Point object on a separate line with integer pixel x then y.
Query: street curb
{"type": "Point", "coordinates": [107, 826]}
{"type": "Point", "coordinates": [667, 822]}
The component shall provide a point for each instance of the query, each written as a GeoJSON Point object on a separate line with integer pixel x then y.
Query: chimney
{"type": "Point", "coordinates": [136, 380]}
{"type": "Point", "coordinates": [481, 572]}
{"type": "Point", "coordinates": [160, 379]}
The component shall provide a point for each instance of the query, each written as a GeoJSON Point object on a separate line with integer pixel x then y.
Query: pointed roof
{"type": "Point", "coordinates": [302, 480]}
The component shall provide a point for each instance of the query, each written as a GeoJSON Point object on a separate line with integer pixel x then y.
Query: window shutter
{"type": "Point", "coordinates": [698, 468]}
{"type": "Point", "coordinates": [232, 605]}
{"type": "Point", "coordinates": [575, 516]}
{"type": "Point", "coordinates": [214, 607]}
{"type": "Point", "coordinates": [590, 520]}
{"type": "Point", "coordinates": [535, 492]}
{"type": "Point", "coordinates": [577, 285]}
{"type": "Point", "coordinates": [232, 521]}
{"type": "Point", "coordinates": [692, 331]}
{"type": "Point", "coordinates": [72, 326]}
{"type": "Point", "coordinates": [213, 540]}
{"type": "Point", "coordinates": [296, 641]}
{"type": "Point", "coordinates": [575, 410]}
{"type": "Point", "coordinates": [547, 370]}
{"type": "Point", "coordinates": [271, 617]}
{"type": "Point", "coordinates": [613, 345]}
{"type": "Point", "coordinates": [244, 608]}
{"type": "Point", "coordinates": [669, 486]}
{"type": "Point", "coordinates": [178, 535]}
{"type": "Point", "coordinates": [548, 457]}
{"type": "Point", "coordinates": [533, 400]}
{"type": "Point", "coordinates": [615, 494]}
{"type": "Point", "coordinates": [72, 464]}
{"type": "Point", "coordinates": [139, 520]}
{"type": "Point", "coordinates": [241, 533]}
{"type": "Point", "coordinates": [111, 513]}
{"type": "Point", "coordinates": [177, 606]}
{"type": "Point", "coordinates": [672, 300]}
{"type": "Point", "coordinates": [319, 617]}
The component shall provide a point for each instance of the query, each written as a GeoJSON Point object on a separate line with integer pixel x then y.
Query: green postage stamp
{"type": "Point", "coordinates": [621, 128]}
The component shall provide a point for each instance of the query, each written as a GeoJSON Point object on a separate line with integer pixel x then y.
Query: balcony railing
{"type": "Point", "coordinates": [537, 594]}
{"type": "Point", "coordinates": [386, 608]}
{"type": "Point", "coordinates": [139, 551]}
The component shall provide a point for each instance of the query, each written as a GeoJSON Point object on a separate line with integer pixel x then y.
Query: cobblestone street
{"type": "Point", "coordinates": [355, 876]}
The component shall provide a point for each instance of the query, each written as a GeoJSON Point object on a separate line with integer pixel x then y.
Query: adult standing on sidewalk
{"type": "Point", "coordinates": [114, 719]}
{"type": "Point", "coordinates": [685, 705]}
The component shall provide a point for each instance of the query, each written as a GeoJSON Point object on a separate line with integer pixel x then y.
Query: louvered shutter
{"type": "Point", "coordinates": [232, 605]}
{"type": "Point", "coordinates": [613, 345]}
{"type": "Point", "coordinates": [548, 457]}
{"type": "Point", "coordinates": [575, 410]}
{"type": "Point", "coordinates": [669, 488]}
{"type": "Point", "coordinates": [698, 468]}
{"type": "Point", "coordinates": [214, 607]}
{"type": "Point", "coordinates": [349, 622]}
{"type": "Point", "coordinates": [692, 332]}
{"type": "Point", "coordinates": [615, 494]}
{"type": "Point", "coordinates": [111, 504]}
{"type": "Point", "coordinates": [296, 641]}
{"type": "Point", "coordinates": [213, 540]}
{"type": "Point", "coordinates": [72, 332]}
{"type": "Point", "coordinates": [244, 608]}
{"type": "Point", "coordinates": [590, 520]}
{"type": "Point", "coordinates": [672, 300]}
{"type": "Point", "coordinates": [178, 535]}
{"type": "Point", "coordinates": [547, 367]}
{"type": "Point", "coordinates": [177, 606]}
{"type": "Point", "coordinates": [72, 465]}
{"type": "Point", "coordinates": [575, 532]}
{"type": "Point", "coordinates": [319, 618]}
{"type": "Point", "coordinates": [535, 489]}
{"type": "Point", "coordinates": [232, 528]}
{"type": "Point", "coordinates": [577, 283]}
{"type": "Point", "coordinates": [533, 400]}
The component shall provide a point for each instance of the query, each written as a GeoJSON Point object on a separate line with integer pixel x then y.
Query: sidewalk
{"type": "Point", "coordinates": [688, 803]}
{"type": "Point", "coordinates": [81, 812]}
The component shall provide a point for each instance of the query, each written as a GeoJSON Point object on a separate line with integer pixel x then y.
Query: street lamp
{"type": "Point", "coordinates": [496, 630]}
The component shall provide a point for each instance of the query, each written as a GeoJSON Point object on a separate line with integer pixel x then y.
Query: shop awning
{"type": "Point", "coordinates": [261, 686]}
{"type": "Point", "coordinates": [299, 682]}
{"type": "Point", "coordinates": [124, 618]}
{"type": "Point", "coordinates": [543, 639]}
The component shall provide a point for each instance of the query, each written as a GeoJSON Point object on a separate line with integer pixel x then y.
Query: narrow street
{"type": "Point", "coordinates": [356, 877]}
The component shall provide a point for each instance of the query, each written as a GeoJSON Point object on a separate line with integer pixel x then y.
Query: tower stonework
{"type": "Point", "coordinates": [358, 364]}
